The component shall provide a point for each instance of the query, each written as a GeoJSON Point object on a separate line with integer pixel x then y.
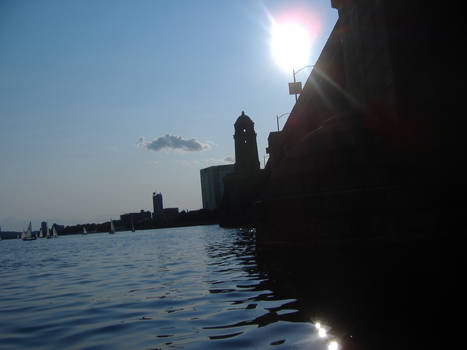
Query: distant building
{"type": "Point", "coordinates": [44, 227]}
{"type": "Point", "coordinates": [212, 185]}
{"type": "Point", "coordinates": [135, 218]}
{"type": "Point", "coordinates": [57, 227]}
{"type": "Point", "coordinates": [157, 203]}
{"type": "Point", "coordinates": [170, 213]}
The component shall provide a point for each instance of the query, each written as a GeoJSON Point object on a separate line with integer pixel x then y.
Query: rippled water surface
{"type": "Point", "coordinates": [193, 287]}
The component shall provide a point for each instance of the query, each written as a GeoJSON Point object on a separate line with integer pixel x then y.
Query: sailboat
{"type": "Point", "coordinates": [85, 232]}
{"type": "Point", "coordinates": [54, 232]}
{"type": "Point", "coordinates": [112, 227]}
{"type": "Point", "coordinates": [27, 235]}
{"type": "Point", "coordinates": [48, 234]}
{"type": "Point", "coordinates": [41, 234]}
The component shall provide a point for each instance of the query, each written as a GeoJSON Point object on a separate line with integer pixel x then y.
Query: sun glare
{"type": "Point", "coordinates": [322, 333]}
{"type": "Point", "coordinates": [291, 44]}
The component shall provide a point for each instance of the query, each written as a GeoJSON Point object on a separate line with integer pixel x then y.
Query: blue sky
{"type": "Point", "coordinates": [81, 82]}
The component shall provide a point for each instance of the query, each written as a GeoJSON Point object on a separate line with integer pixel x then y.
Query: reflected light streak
{"type": "Point", "coordinates": [321, 332]}
{"type": "Point", "coordinates": [333, 345]}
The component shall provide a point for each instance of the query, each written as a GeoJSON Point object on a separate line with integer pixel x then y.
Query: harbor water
{"type": "Point", "coordinates": [192, 288]}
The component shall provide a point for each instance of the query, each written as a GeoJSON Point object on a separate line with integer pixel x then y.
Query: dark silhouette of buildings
{"type": "Point", "coordinates": [135, 218]}
{"type": "Point", "coordinates": [242, 187]}
{"type": "Point", "coordinates": [157, 203]}
{"type": "Point", "coordinates": [170, 214]}
{"type": "Point", "coordinates": [246, 150]}
{"type": "Point", "coordinates": [161, 215]}
{"type": "Point", "coordinates": [44, 228]}
{"type": "Point", "coordinates": [212, 185]}
{"type": "Point", "coordinates": [58, 228]}
{"type": "Point", "coordinates": [354, 184]}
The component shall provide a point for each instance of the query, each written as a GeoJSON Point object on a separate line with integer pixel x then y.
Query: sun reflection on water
{"type": "Point", "coordinates": [322, 333]}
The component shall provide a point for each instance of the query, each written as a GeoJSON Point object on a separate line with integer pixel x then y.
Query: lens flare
{"type": "Point", "coordinates": [333, 345]}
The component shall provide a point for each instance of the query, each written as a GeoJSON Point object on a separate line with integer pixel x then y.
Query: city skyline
{"type": "Point", "coordinates": [104, 103]}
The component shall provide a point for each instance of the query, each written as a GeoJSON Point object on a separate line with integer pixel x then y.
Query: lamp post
{"type": "Point", "coordinates": [278, 117]}
{"type": "Point", "coordinates": [296, 88]}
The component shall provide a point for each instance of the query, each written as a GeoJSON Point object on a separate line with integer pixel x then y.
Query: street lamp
{"type": "Point", "coordinates": [295, 88]}
{"type": "Point", "coordinates": [278, 117]}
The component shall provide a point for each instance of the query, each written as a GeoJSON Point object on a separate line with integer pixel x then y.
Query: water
{"type": "Point", "coordinates": [194, 287]}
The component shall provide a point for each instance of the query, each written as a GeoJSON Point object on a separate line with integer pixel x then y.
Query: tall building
{"type": "Point", "coordinates": [246, 150]}
{"type": "Point", "coordinates": [242, 186]}
{"type": "Point", "coordinates": [157, 203]}
{"type": "Point", "coordinates": [44, 227]}
{"type": "Point", "coordinates": [212, 185]}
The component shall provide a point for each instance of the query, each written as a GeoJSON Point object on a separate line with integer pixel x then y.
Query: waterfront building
{"type": "Point", "coordinates": [212, 185]}
{"type": "Point", "coordinates": [157, 203]}
{"type": "Point", "coordinates": [58, 227]}
{"type": "Point", "coordinates": [135, 218]}
{"type": "Point", "coordinates": [170, 213]}
{"type": "Point", "coordinates": [44, 227]}
{"type": "Point", "coordinates": [243, 185]}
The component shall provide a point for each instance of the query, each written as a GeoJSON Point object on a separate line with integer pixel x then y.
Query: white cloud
{"type": "Point", "coordinates": [173, 142]}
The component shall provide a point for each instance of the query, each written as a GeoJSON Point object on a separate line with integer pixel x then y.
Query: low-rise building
{"type": "Point", "coordinates": [135, 218]}
{"type": "Point", "coordinates": [170, 213]}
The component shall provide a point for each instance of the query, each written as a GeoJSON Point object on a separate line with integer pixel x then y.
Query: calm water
{"type": "Point", "coordinates": [193, 287]}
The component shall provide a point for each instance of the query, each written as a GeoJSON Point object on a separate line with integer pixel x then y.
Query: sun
{"type": "Point", "coordinates": [291, 44]}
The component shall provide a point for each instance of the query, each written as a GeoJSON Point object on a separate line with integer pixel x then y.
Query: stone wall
{"type": "Point", "coordinates": [359, 154]}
